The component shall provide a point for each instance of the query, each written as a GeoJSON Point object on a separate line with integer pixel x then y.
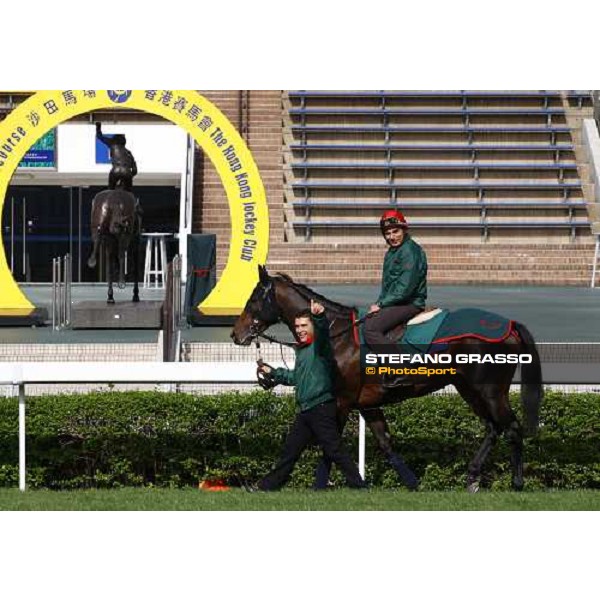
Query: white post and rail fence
{"type": "Point", "coordinates": [22, 374]}
{"type": "Point", "coordinates": [580, 373]}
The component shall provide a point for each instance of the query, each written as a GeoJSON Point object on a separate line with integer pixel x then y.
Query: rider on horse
{"type": "Point", "coordinates": [404, 282]}
{"type": "Point", "coordinates": [124, 168]}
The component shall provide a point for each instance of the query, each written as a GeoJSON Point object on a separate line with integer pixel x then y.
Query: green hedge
{"type": "Point", "coordinates": [152, 438]}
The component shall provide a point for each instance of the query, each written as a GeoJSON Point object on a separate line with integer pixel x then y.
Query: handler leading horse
{"type": "Point", "coordinates": [116, 225]}
{"type": "Point", "coordinates": [279, 298]}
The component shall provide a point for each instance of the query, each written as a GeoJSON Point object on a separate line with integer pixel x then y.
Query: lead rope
{"type": "Point", "coordinates": [272, 340]}
{"type": "Point", "coordinates": [258, 352]}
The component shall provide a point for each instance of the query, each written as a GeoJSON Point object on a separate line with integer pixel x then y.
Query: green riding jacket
{"type": "Point", "coordinates": [404, 278]}
{"type": "Point", "coordinates": [313, 373]}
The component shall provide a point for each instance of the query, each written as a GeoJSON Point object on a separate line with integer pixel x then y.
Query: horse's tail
{"type": "Point", "coordinates": [532, 391]}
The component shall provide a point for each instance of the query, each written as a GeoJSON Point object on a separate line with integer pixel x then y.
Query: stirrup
{"type": "Point", "coordinates": [394, 381]}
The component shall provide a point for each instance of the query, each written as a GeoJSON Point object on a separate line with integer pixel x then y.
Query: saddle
{"type": "Point", "coordinates": [430, 314]}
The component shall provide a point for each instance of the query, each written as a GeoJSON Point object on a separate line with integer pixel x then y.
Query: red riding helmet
{"type": "Point", "coordinates": [392, 218]}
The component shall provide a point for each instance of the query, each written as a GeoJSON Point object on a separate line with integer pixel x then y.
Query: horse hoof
{"type": "Point", "coordinates": [412, 484]}
{"type": "Point", "coordinates": [136, 299]}
{"type": "Point", "coordinates": [91, 263]}
{"type": "Point", "coordinates": [110, 301]}
{"type": "Point", "coordinates": [517, 486]}
{"type": "Point", "coordinates": [473, 487]}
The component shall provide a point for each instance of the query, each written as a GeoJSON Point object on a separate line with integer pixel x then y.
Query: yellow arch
{"type": "Point", "coordinates": [212, 131]}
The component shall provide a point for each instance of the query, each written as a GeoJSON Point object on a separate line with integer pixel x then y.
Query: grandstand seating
{"type": "Point", "coordinates": [477, 161]}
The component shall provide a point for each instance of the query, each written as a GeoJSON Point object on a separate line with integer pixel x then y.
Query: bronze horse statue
{"type": "Point", "coordinates": [279, 299]}
{"type": "Point", "coordinates": [116, 225]}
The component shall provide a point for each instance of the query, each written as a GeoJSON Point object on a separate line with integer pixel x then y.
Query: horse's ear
{"type": "Point", "coordinates": [263, 274]}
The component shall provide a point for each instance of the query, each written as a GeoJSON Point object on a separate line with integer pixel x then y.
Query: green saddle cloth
{"type": "Point", "coordinates": [449, 326]}
{"type": "Point", "coordinates": [475, 323]}
{"type": "Point", "coordinates": [420, 337]}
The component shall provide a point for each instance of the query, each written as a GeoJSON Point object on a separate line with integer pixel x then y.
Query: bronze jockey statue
{"type": "Point", "coordinates": [124, 168]}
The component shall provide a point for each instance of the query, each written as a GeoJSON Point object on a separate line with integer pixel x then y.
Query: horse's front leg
{"type": "Point", "coordinates": [323, 469]}
{"type": "Point", "coordinates": [96, 240]}
{"type": "Point", "coordinates": [375, 419]}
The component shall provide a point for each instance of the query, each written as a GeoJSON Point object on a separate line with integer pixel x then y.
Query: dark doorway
{"type": "Point", "coordinates": [40, 223]}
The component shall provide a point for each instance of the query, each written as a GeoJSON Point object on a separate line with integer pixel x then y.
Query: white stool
{"type": "Point", "coordinates": [155, 261]}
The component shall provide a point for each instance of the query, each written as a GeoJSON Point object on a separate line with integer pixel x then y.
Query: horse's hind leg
{"type": "Point", "coordinates": [375, 419]}
{"type": "Point", "coordinates": [474, 398]}
{"type": "Point", "coordinates": [514, 435]}
{"type": "Point", "coordinates": [474, 470]}
{"type": "Point", "coordinates": [109, 269]}
{"type": "Point", "coordinates": [505, 421]}
{"type": "Point", "coordinates": [496, 398]}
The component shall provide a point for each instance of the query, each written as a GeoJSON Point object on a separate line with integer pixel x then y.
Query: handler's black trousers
{"type": "Point", "coordinates": [318, 423]}
{"type": "Point", "coordinates": [383, 321]}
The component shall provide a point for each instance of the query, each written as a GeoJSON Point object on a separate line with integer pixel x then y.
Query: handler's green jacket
{"type": "Point", "coordinates": [313, 373]}
{"type": "Point", "coordinates": [404, 279]}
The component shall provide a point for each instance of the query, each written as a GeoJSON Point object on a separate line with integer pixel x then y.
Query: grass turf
{"type": "Point", "coordinates": [191, 499]}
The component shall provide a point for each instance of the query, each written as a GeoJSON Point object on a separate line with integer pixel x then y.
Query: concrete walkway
{"type": "Point", "coordinates": [553, 314]}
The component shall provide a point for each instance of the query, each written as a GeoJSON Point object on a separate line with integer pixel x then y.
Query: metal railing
{"type": "Point", "coordinates": [176, 291]}
{"type": "Point", "coordinates": [62, 280]}
{"type": "Point", "coordinates": [172, 312]}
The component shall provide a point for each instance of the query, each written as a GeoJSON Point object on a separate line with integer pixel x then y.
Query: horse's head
{"type": "Point", "coordinates": [261, 311]}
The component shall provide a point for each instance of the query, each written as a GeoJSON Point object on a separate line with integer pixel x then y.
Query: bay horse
{"type": "Point", "coordinates": [278, 299]}
{"type": "Point", "coordinates": [116, 226]}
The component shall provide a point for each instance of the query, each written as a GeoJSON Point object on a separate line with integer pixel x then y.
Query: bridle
{"type": "Point", "coordinates": [270, 313]}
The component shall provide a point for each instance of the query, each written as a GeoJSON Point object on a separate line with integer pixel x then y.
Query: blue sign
{"type": "Point", "coordinates": [102, 152]}
{"type": "Point", "coordinates": [42, 155]}
{"type": "Point", "coordinates": [39, 156]}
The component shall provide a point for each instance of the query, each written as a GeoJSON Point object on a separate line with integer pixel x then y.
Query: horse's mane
{"type": "Point", "coordinates": [309, 294]}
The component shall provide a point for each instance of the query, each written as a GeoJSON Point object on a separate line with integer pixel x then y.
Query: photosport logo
{"type": "Point", "coordinates": [119, 96]}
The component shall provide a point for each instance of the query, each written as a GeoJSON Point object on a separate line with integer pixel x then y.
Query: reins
{"type": "Point", "coordinates": [257, 336]}
{"type": "Point", "coordinates": [294, 344]}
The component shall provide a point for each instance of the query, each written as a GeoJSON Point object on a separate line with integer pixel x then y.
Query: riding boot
{"type": "Point", "coordinates": [391, 380]}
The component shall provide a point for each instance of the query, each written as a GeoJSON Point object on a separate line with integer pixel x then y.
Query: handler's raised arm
{"type": "Point", "coordinates": [316, 308]}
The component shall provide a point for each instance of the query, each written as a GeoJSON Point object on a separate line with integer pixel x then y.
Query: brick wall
{"type": "Point", "coordinates": [257, 115]}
